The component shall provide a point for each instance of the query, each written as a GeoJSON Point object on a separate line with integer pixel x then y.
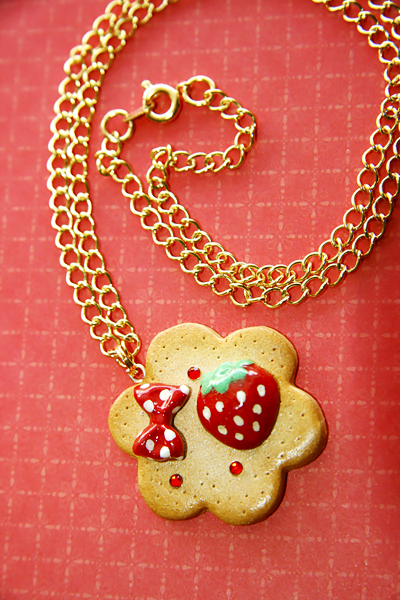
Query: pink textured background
{"type": "Point", "coordinates": [72, 522]}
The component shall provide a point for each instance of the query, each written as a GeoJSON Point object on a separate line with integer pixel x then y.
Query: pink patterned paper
{"type": "Point", "coordinates": [72, 522]}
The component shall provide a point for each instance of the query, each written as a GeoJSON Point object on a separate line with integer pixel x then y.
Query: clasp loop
{"type": "Point", "coordinates": [135, 370]}
{"type": "Point", "coordinates": [150, 94]}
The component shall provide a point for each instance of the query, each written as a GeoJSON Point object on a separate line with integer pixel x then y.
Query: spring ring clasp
{"type": "Point", "coordinates": [150, 94]}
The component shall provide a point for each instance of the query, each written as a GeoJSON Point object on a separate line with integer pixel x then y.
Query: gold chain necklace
{"type": "Point", "coordinates": [245, 410]}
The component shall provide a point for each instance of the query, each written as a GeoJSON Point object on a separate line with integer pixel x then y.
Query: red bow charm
{"type": "Point", "coordinates": [160, 441]}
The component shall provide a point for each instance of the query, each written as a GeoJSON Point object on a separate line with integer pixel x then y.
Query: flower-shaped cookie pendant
{"type": "Point", "coordinates": [243, 421]}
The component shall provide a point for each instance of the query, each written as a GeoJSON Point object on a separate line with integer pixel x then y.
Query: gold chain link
{"type": "Point", "coordinates": [94, 291]}
{"type": "Point", "coordinates": [363, 224]}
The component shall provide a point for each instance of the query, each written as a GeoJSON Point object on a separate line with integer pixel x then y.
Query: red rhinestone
{"type": "Point", "coordinates": [194, 373]}
{"type": "Point", "coordinates": [176, 480]}
{"type": "Point", "coordinates": [236, 468]}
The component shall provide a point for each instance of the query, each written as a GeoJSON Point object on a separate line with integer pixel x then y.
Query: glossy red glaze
{"type": "Point", "coordinates": [243, 416]}
{"type": "Point", "coordinates": [236, 468]}
{"type": "Point", "coordinates": [160, 441]}
{"type": "Point", "coordinates": [176, 480]}
{"type": "Point", "coordinates": [194, 373]}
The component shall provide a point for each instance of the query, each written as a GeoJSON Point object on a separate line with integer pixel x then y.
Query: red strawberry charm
{"type": "Point", "coordinates": [238, 403]}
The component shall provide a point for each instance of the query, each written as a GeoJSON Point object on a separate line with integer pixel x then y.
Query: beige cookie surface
{"type": "Point", "coordinates": [298, 437]}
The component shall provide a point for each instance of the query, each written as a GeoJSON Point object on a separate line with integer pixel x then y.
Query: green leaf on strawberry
{"type": "Point", "coordinates": [221, 378]}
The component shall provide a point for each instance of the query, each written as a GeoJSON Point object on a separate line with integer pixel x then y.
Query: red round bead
{"type": "Point", "coordinates": [176, 480]}
{"type": "Point", "coordinates": [236, 468]}
{"type": "Point", "coordinates": [194, 373]}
